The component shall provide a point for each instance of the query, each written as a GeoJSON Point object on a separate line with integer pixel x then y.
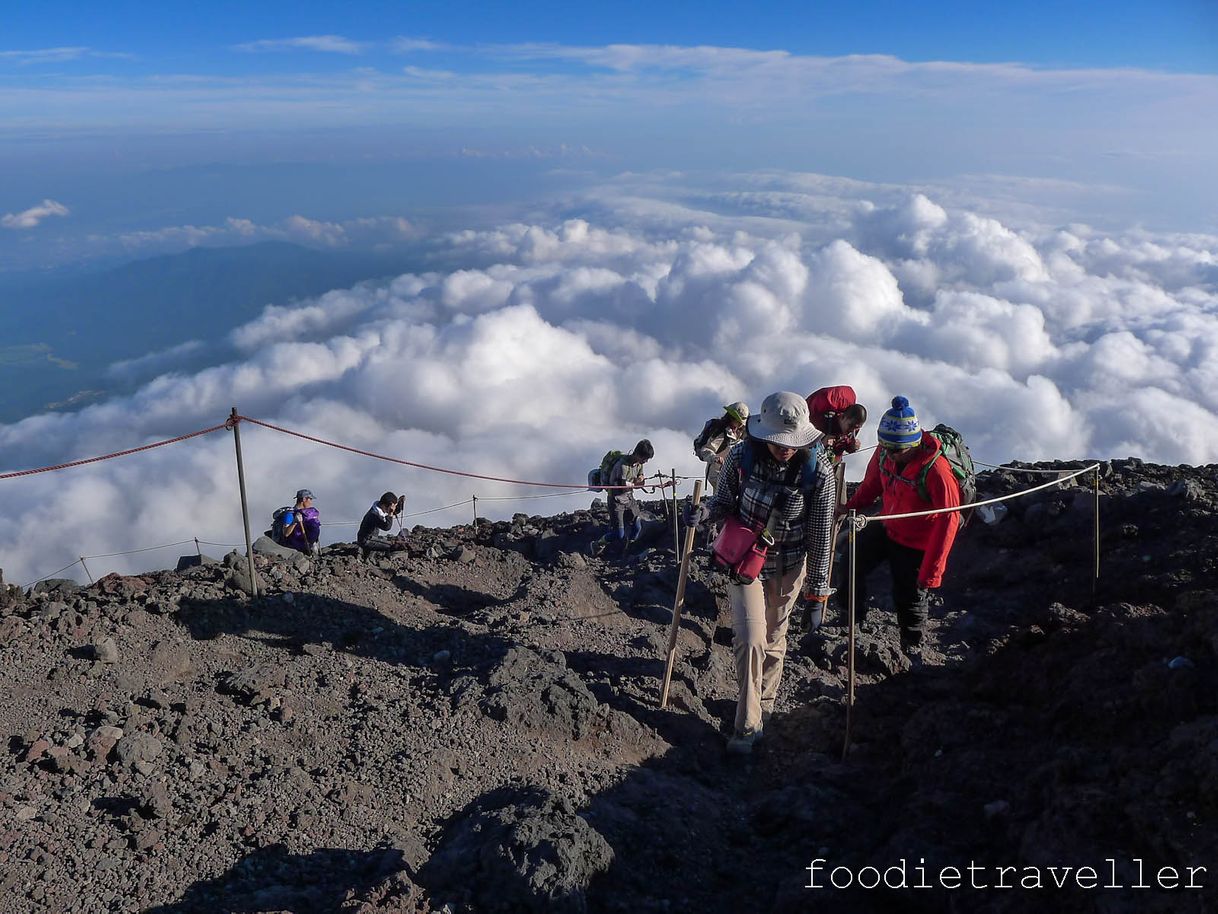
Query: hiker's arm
{"type": "Point", "coordinates": [869, 489]}
{"type": "Point", "coordinates": [818, 529]}
{"type": "Point", "coordinates": [727, 489]}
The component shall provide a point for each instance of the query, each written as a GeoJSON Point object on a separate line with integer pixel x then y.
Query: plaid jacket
{"type": "Point", "coordinates": [803, 527]}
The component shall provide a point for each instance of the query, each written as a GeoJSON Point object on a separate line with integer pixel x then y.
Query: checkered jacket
{"type": "Point", "coordinates": [803, 527]}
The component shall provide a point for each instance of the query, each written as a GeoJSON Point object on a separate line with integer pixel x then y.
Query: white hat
{"type": "Point", "coordinates": [783, 421]}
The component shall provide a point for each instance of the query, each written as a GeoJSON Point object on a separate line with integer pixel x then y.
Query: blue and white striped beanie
{"type": "Point", "coordinates": [899, 428]}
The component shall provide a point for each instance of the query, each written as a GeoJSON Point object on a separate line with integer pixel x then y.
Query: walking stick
{"type": "Point", "coordinates": [839, 480]}
{"type": "Point", "coordinates": [850, 647]}
{"type": "Point", "coordinates": [676, 606]}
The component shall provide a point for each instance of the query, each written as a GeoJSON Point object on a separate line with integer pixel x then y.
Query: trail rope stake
{"type": "Point", "coordinates": [475, 500]}
{"type": "Point", "coordinates": [198, 548]}
{"type": "Point", "coordinates": [680, 600]}
{"type": "Point", "coordinates": [850, 646]}
{"type": "Point", "coordinates": [86, 568]}
{"type": "Point", "coordinates": [234, 421]}
{"type": "Point", "coordinates": [676, 523]}
{"type": "Point", "coordinates": [1095, 577]}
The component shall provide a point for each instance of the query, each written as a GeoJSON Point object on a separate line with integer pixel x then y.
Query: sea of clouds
{"type": "Point", "coordinates": [635, 310]}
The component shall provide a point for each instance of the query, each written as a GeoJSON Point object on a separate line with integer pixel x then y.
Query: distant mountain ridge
{"type": "Point", "coordinates": [91, 320]}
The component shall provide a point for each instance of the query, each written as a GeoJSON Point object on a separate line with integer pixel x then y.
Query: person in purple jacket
{"type": "Point", "coordinates": [302, 525]}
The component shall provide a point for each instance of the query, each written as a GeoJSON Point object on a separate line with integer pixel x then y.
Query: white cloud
{"type": "Point", "coordinates": [31, 217]}
{"type": "Point", "coordinates": [368, 231]}
{"type": "Point", "coordinates": [539, 345]}
{"type": "Point", "coordinates": [327, 44]}
{"type": "Point", "coordinates": [57, 55]}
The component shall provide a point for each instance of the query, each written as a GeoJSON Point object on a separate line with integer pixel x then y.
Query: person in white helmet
{"type": "Point", "coordinates": [717, 437]}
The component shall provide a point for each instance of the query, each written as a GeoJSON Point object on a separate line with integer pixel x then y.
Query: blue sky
{"type": "Point", "coordinates": [1177, 35]}
{"type": "Point", "coordinates": [122, 120]}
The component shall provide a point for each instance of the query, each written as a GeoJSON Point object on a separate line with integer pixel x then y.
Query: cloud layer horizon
{"type": "Point", "coordinates": [639, 312]}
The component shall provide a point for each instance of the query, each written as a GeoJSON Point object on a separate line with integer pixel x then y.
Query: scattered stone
{"type": "Point", "coordinates": [136, 748]}
{"type": "Point", "coordinates": [105, 651]}
{"type": "Point", "coordinates": [996, 808]}
{"type": "Point", "coordinates": [256, 684]}
{"type": "Point", "coordinates": [264, 545]}
{"type": "Point", "coordinates": [521, 852]}
{"type": "Point", "coordinates": [1188, 489]}
{"type": "Point", "coordinates": [102, 740]}
{"type": "Point", "coordinates": [186, 562]}
{"type": "Point", "coordinates": [170, 661]}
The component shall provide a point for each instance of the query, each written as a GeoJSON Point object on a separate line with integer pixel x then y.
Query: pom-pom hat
{"type": "Point", "coordinates": [783, 421]}
{"type": "Point", "coordinates": [899, 428]}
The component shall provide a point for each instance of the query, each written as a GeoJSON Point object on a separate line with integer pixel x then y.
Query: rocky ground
{"type": "Point", "coordinates": [471, 725]}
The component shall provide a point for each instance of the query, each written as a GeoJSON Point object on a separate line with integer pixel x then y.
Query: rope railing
{"type": "Point", "coordinates": [978, 504]}
{"type": "Point", "coordinates": [422, 466]}
{"type": "Point", "coordinates": [135, 450]}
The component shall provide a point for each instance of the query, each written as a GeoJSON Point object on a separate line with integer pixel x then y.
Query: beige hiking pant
{"type": "Point", "coordinates": [760, 613]}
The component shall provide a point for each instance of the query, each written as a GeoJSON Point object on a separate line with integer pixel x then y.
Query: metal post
{"type": "Point", "coordinates": [198, 548]}
{"type": "Point", "coordinates": [1095, 576]}
{"type": "Point", "coordinates": [671, 657]}
{"type": "Point", "coordinates": [475, 497]}
{"type": "Point", "coordinates": [86, 568]}
{"type": "Point", "coordinates": [676, 524]}
{"type": "Point", "coordinates": [235, 422]}
{"type": "Point", "coordinates": [850, 647]}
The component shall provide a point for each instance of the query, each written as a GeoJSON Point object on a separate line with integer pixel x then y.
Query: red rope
{"type": "Point", "coordinates": [134, 450]}
{"type": "Point", "coordinates": [424, 466]}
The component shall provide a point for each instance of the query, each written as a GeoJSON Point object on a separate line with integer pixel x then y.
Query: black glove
{"type": "Point", "coordinates": [695, 516]}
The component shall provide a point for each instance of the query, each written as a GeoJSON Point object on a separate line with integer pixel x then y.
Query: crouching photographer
{"type": "Point", "coordinates": [377, 521]}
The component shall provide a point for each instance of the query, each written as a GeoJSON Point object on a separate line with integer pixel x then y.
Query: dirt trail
{"type": "Point", "coordinates": [471, 725]}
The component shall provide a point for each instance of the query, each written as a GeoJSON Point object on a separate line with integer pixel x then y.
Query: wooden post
{"type": "Point", "coordinates": [1095, 575]}
{"type": "Point", "coordinates": [850, 647]}
{"type": "Point", "coordinates": [676, 523]}
{"type": "Point", "coordinates": [678, 603]}
{"type": "Point", "coordinates": [86, 568]}
{"type": "Point", "coordinates": [235, 421]}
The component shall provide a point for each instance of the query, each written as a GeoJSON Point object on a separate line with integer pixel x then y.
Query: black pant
{"type": "Point", "coordinates": [872, 548]}
{"type": "Point", "coordinates": [378, 544]}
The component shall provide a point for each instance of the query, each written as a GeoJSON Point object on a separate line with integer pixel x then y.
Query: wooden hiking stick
{"type": "Point", "coordinates": [679, 602]}
{"type": "Point", "coordinates": [839, 480]}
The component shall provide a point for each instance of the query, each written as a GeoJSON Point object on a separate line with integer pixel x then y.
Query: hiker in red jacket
{"type": "Point", "coordinates": [907, 473]}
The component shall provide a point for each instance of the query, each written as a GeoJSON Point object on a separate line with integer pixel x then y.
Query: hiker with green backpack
{"type": "Point", "coordinates": [619, 475]}
{"type": "Point", "coordinates": [912, 470]}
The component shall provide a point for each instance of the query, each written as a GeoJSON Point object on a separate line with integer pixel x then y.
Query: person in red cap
{"type": "Point", "coordinates": [837, 414]}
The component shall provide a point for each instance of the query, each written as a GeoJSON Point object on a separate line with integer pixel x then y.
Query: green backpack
{"type": "Point", "coordinates": [598, 477]}
{"type": "Point", "coordinates": [953, 449]}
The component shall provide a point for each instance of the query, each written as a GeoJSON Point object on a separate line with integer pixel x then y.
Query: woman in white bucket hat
{"type": "Point", "coordinates": [774, 484]}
